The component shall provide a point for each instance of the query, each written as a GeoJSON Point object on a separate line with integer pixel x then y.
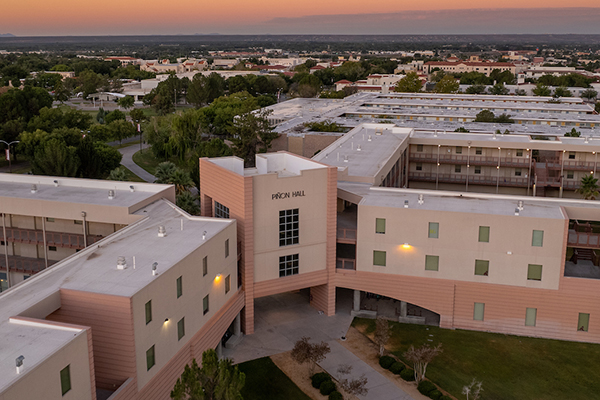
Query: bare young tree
{"type": "Point", "coordinates": [382, 333]}
{"type": "Point", "coordinates": [473, 390]}
{"type": "Point", "coordinates": [421, 357]}
{"type": "Point", "coordinates": [356, 386]}
{"type": "Point", "coordinates": [313, 353]}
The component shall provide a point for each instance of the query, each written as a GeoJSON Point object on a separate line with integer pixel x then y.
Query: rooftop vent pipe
{"type": "Point", "coordinates": [121, 262]}
{"type": "Point", "coordinates": [55, 183]}
{"type": "Point", "coordinates": [405, 203]}
{"type": "Point", "coordinates": [111, 194]}
{"type": "Point", "coordinates": [131, 188]}
{"type": "Point", "coordinates": [19, 362]}
{"type": "Point", "coordinates": [421, 201]}
{"type": "Point", "coordinates": [33, 188]}
{"type": "Point", "coordinates": [162, 231]}
{"type": "Point", "coordinates": [154, 271]}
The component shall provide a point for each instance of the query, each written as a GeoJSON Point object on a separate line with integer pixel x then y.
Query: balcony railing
{"type": "Point", "coordinates": [556, 164]}
{"type": "Point", "coordinates": [473, 179]}
{"type": "Point", "coordinates": [24, 264]}
{"type": "Point", "coordinates": [345, 263]}
{"type": "Point", "coordinates": [460, 159]}
{"type": "Point", "coordinates": [346, 235]}
{"type": "Point", "coordinates": [58, 239]}
{"type": "Point", "coordinates": [584, 239]}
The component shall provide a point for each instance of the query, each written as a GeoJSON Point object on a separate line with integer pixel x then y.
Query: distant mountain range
{"type": "Point", "coordinates": [6, 35]}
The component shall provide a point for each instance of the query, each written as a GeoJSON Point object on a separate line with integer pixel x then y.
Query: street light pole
{"type": "Point", "coordinates": [9, 159]}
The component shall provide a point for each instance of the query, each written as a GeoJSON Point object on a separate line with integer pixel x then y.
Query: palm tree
{"type": "Point", "coordinates": [117, 174]}
{"type": "Point", "coordinates": [187, 202]}
{"type": "Point", "coordinates": [181, 179]}
{"type": "Point", "coordinates": [163, 172]}
{"type": "Point", "coordinates": [588, 188]}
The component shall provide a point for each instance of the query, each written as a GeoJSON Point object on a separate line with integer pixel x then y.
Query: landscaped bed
{"type": "Point", "coordinates": [264, 380]}
{"type": "Point", "coordinates": [510, 367]}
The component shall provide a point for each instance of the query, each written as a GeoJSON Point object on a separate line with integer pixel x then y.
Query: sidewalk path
{"type": "Point", "coordinates": [127, 161]}
{"type": "Point", "coordinates": [380, 388]}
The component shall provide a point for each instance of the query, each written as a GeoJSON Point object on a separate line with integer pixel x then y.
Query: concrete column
{"type": "Point", "coordinates": [403, 308]}
{"type": "Point", "coordinates": [219, 350]}
{"type": "Point", "coordinates": [356, 305]}
{"type": "Point", "coordinates": [237, 325]}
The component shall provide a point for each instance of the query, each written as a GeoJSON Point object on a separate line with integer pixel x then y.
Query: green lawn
{"type": "Point", "coordinates": [130, 176]}
{"type": "Point", "coordinates": [146, 160]}
{"type": "Point", "coordinates": [264, 380]}
{"type": "Point", "coordinates": [511, 367]}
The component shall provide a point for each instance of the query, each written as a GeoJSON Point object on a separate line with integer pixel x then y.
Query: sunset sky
{"type": "Point", "coordinates": [117, 17]}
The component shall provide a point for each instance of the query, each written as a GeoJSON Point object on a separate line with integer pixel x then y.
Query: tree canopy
{"type": "Point", "coordinates": [410, 83]}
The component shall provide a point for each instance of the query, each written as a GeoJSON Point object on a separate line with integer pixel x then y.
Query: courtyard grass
{"type": "Point", "coordinates": [130, 176]}
{"type": "Point", "coordinates": [264, 380]}
{"type": "Point", "coordinates": [146, 159]}
{"type": "Point", "coordinates": [510, 367]}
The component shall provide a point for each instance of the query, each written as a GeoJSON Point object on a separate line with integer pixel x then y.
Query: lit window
{"type": "Point", "coordinates": [148, 312]}
{"type": "Point", "coordinates": [379, 225]}
{"type": "Point", "coordinates": [432, 263]}
{"type": "Point", "coordinates": [583, 322]}
{"type": "Point", "coordinates": [65, 379]}
{"type": "Point", "coordinates": [227, 284]}
{"type": "Point", "coordinates": [534, 272]}
{"type": "Point", "coordinates": [482, 267]}
{"type": "Point", "coordinates": [530, 316]}
{"type": "Point", "coordinates": [434, 228]}
{"type": "Point", "coordinates": [180, 328]}
{"type": "Point", "coordinates": [379, 258]}
{"type": "Point", "coordinates": [288, 227]}
{"type": "Point", "coordinates": [484, 234]}
{"type": "Point", "coordinates": [288, 265]}
{"type": "Point", "coordinates": [221, 211]}
{"type": "Point", "coordinates": [205, 304]}
{"type": "Point", "coordinates": [179, 286]}
{"type": "Point", "coordinates": [478, 311]}
{"type": "Point", "coordinates": [150, 361]}
{"type": "Point", "coordinates": [537, 238]}
{"type": "Point", "coordinates": [205, 266]}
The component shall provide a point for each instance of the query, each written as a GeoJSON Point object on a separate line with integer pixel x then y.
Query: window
{"type": "Point", "coordinates": [432, 263]}
{"type": "Point", "coordinates": [537, 238]}
{"type": "Point", "coordinates": [570, 174]}
{"type": "Point", "coordinates": [226, 248]}
{"type": "Point", "coordinates": [434, 228]}
{"type": "Point", "coordinates": [420, 148]}
{"type": "Point", "coordinates": [77, 222]}
{"type": "Point", "coordinates": [205, 304]}
{"type": "Point", "coordinates": [530, 315]}
{"type": "Point", "coordinates": [583, 322]}
{"type": "Point", "coordinates": [571, 155]}
{"type": "Point", "coordinates": [3, 281]}
{"type": "Point", "coordinates": [457, 169]}
{"type": "Point", "coordinates": [478, 311]}
{"type": "Point", "coordinates": [458, 150]}
{"type": "Point", "coordinates": [148, 312]}
{"type": "Point", "coordinates": [484, 234]}
{"type": "Point", "coordinates": [379, 258]}
{"type": "Point", "coordinates": [150, 361]}
{"type": "Point", "coordinates": [65, 379]}
{"type": "Point", "coordinates": [517, 171]}
{"type": "Point", "coordinates": [478, 169]}
{"type": "Point", "coordinates": [520, 153]}
{"type": "Point", "coordinates": [534, 272]}
{"type": "Point", "coordinates": [288, 227]}
{"type": "Point", "coordinates": [221, 211]}
{"type": "Point", "coordinates": [379, 225]}
{"type": "Point", "coordinates": [180, 328]}
{"type": "Point", "coordinates": [49, 219]}
{"type": "Point", "coordinates": [179, 286]}
{"type": "Point", "coordinates": [227, 284]}
{"type": "Point", "coordinates": [478, 151]}
{"type": "Point", "coordinates": [51, 248]}
{"type": "Point", "coordinates": [419, 167]}
{"type": "Point", "coordinates": [288, 265]}
{"type": "Point", "coordinates": [482, 267]}
{"type": "Point", "coordinates": [205, 266]}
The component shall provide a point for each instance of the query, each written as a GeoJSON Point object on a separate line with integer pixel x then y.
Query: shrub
{"type": "Point", "coordinates": [426, 387]}
{"type": "Point", "coordinates": [407, 374]}
{"type": "Point", "coordinates": [386, 361]}
{"type": "Point", "coordinates": [335, 395]}
{"type": "Point", "coordinates": [444, 397]}
{"type": "Point", "coordinates": [397, 367]}
{"type": "Point", "coordinates": [327, 387]}
{"type": "Point", "coordinates": [435, 395]}
{"type": "Point", "coordinates": [319, 378]}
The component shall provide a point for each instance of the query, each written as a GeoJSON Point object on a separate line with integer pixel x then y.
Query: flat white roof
{"type": "Point", "coordinates": [281, 163]}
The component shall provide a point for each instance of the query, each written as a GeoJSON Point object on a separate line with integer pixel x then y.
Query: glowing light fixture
{"type": "Point", "coordinates": [218, 277]}
{"type": "Point", "coordinates": [406, 246]}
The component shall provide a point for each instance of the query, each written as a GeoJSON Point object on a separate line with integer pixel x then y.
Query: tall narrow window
{"type": "Point", "coordinates": [537, 238]}
{"type": "Point", "coordinates": [150, 361]}
{"type": "Point", "coordinates": [419, 167]}
{"type": "Point", "coordinates": [458, 150]}
{"type": "Point", "coordinates": [205, 266]}
{"type": "Point", "coordinates": [179, 287]}
{"type": "Point", "coordinates": [432, 263]}
{"type": "Point", "coordinates": [379, 258]}
{"type": "Point", "coordinates": [478, 311]}
{"type": "Point", "coordinates": [434, 228]}
{"type": "Point", "coordinates": [484, 234]}
{"type": "Point", "coordinates": [520, 153]}
{"type": "Point", "coordinates": [288, 227]}
{"type": "Point", "coordinates": [227, 284]}
{"type": "Point", "coordinates": [583, 322]}
{"type": "Point", "coordinates": [180, 328]}
{"type": "Point", "coordinates": [482, 267]}
{"type": "Point", "coordinates": [457, 169]}
{"type": "Point", "coordinates": [534, 272]}
{"type": "Point", "coordinates": [221, 211]}
{"type": "Point", "coordinates": [478, 151]}
{"type": "Point", "coordinates": [205, 304]}
{"type": "Point", "coordinates": [226, 248]}
{"type": "Point", "coordinates": [419, 148]}
{"type": "Point", "coordinates": [477, 169]}
{"type": "Point", "coordinates": [379, 225]}
{"type": "Point", "coordinates": [288, 265]}
{"type": "Point", "coordinates": [530, 316]}
{"type": "Point", "coordinates": [148, 312]}
{"type": "Point", "coordinates": [65, 379]}
{"type": "Point", "coordinates": [517, 171]}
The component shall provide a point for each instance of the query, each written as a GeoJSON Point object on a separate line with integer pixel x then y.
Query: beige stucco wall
{"type": "Point", "coordinates": [43, 381]}
{"type": "Point", "coordinates": [458, 246]}
{"type": "Point", "coordinates": [312, 222]}
{"type": "Point", "coordinates": [165, 304]}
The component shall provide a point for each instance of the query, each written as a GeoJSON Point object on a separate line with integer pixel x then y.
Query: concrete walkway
{"type": "Point", "coordinates": [127, 161]}
{"type": "Point", "coordinates": [281, 320]}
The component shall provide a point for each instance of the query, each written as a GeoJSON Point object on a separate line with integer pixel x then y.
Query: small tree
{"type": "Point", "coordinates": [541, 90]}
{"type": "Point", "coordinates": [215, 380]}
{"type": "Point", "coordinates": [410, 83]}
{"type": "Point", "coordinates": [448, 84]}
{"type": "Point", "coordinates": [498, 89]}
{"type": "Point", "coordinates": [485, 116]}
{"type": "Point", "coordinates": [356, 386]}
{"type": "Point", "coordinates": [117, 174]}
{"type": "Point", "coordinates": [573, 133]}
{"type": "Point", "coordinates": [562, 91]}
{"type": "Point", "coordinates": [421, 357]}
{"type": "Point", "coordinates": [589, 94]}
{"type": "Point", "coordinates": [382, 333]}
{"type": "Point", "coordinates": [588, 188]}
{"type": "Point", "coordinates": [473, 391]}
{"type": "Point", "coordinates": [304, 351]}
{"type": "Point", "coordinates": [126, 102]}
